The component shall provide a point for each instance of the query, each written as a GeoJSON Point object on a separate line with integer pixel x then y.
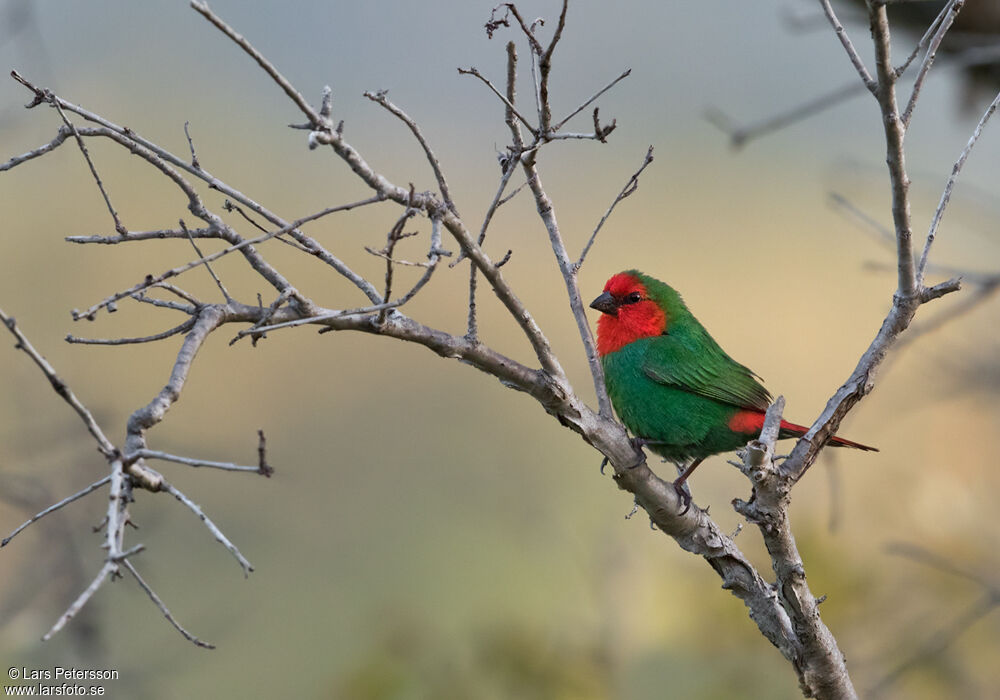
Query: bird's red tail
{"type": "Point", "coordinates": [749, 421]}
{"type": "Point", "coordinates": [793, 430]}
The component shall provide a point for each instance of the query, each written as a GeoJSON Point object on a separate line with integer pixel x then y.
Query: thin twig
{"type": "Point", "coordinates": [165, 303]}
{"type": "Point", "coordinates": [151, 281]}
{"type": "Point", "coordinates": [395, 234]}
{"type": "Point", "coordinates": [545, 68]}
{"type": "Point", "coordinates": [327, 135]}
{"type": "Point", "coordinates": [625, 74]}
{"type": "Point", "coordinates": [943, 22]}
{"type": "Point", "coordinates": [194, 301]}
{"type": "Point", "coordinates": [381, 98]}
{"type": "Point", "coordinates": [163, 608]}
{"type": "Point", "coordinates": [546, 211]}
{"type": "Point", "coordinates": [194, 156]}
{"type": "Point", "coordinates": [161, 234]}
{"type": "Point", "coordinates": [326, 316]}
{"type": "Point", "coordinates": [167, 457]}
{"type": "Point", "coordinates": [845, 40]}
{"type": "Point", "coordinates": [61, 135]}
{"type": "Point", "coordinates": [158, 157]}
{"type": "Point", "coordinates": [628, 189]}
{"type": "Point", "coordinates": [56, 506]}
{"type": "Point", "coordinates": [395, 261]}
{"type": "Point", "coordinates": [106, 447]}
{"type": "Point", "coordinates": [885, 93]}
{"type": "Point", "coordinates": [182, 328]}
{"type": "Point", "coordinates": [262, 466]}
{"type": "Point", "coordinates": [212, 527]}
{"type": "Point", "coordinates": [296, 97]}
{"type": "Point", "coordinates": [475, 72]}
{"type": "Point", "coordinates": [77, 605]}
{"type": "Point", "coordinates": [271, 309]}
{"type": "Point", "coordinates": [433, 255]}
{"type": "Point", "coordinates": [208, 266]}
{"type": "Point", "coordinates": [119, 226]}
{"type": "Point", "coordinates": [950, 184]}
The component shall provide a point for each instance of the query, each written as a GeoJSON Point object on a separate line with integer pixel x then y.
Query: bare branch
{"type": "Point", "coordinates": [212, 527]}
{"type": "Point", "coordinates": [264, 320]}
{"type": "Point", "coordinates": [950, 184]}
{"type": "Point", "coordinates": [982, 291]}
{"type": "Point", "coordinates": [130, 236]}
{"type": "Point", "coordinates": [529, 32]}
{"type": "Point", "coordinates": [566, 267]}
{"type": "Point", "coordinates": [215, 277]}
{"type": "Point", "coordinates": [939, 290]}
{"type": "Point", "coordinates": [326, 135]}
{"type": "Point", "coordinates": [885, 92]}
{"type": "Point", "coordinates": [262, 466]}
{"type": "Point", "coordinates": [942, 23]}
{"type": "Point", "coordinates": [314, 117]}
{"type": "Point", "coordinates": [208, 319]}
{"type": "Point", "coordinates": [158, 157]}
{"type": "Point", "coordinates": [119, 226]}
{"type": "Point", "coordinates": [108, 569]}
{"type": "Point", "coordinates": [380, 98]}
{"type": "Point", "coordinates": [61, 136]}
{"type": "Point", "coordinates": [631, 186]}
{"type": "Point", "coordinates": [194, 156]}
{"type": "Point", "coordinates": [163, 608]}
{"type": "Point", "coordinates": [475, 72]}
{"type": "Point", "coordinates": [845, 40]}
{"type": "Point", "coordinates": [545, 68]}
{"type": "Point", "coordinates": [625, 74]}
{"type": "Point", "coordinates": [820, 664]}
{"type": "Point", "coordinates": [739, 136]}
{"type": "Point", "coordinates": [243, 244]}
{"type": "Point", "coordinates": [103, 444]}
{"type": "Point", "coordinates": [165, 456]}
{"type": "Point", "coordinates": [182, 328]}
{"type": "Point", "coordinates": [56, 506]}
{"type": "Point", "coordinates": [164, 304]}
{"type": "Point", "coordinates": [195, 302]}
{"type": "Point", "coordinates": [433, 256]}
{"type": "Point", "coordinates": [395, 234]}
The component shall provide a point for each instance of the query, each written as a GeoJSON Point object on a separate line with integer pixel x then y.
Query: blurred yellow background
{"type": "Point", "coordinates": [427, 533]}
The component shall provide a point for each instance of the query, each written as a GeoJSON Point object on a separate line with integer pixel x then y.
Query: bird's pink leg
{"type": "Point", "coordinates": [679, 484]}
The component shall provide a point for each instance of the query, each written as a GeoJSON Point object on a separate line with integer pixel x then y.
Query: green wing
{"type": "Point", "coordinates": [689, 359]}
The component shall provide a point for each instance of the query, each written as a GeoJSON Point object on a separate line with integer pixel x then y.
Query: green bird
{"type": "Point", "coordinates": [670, 383]}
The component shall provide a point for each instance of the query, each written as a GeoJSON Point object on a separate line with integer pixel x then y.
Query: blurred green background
{"type": "Point", "coordinates": [429, 534]}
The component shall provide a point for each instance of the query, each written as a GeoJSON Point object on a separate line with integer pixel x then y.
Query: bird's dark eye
{"type": "Point", "coordinates": [633, 298]}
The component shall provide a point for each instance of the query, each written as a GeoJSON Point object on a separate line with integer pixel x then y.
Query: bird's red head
{"type": "Point", "coordinates": [627, 313]}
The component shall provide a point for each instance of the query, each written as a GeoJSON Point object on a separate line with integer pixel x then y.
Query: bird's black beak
{"type": "Point", "coordinates": [605, 304]}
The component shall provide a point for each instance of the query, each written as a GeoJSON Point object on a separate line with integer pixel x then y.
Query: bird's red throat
{"type": "Point", "coordinates": [642, 319]}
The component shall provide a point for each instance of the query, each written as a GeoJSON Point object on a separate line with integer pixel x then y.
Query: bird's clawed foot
{"type": "Point", "coordinates": [638, 442]}
{"type": "Point", "coordinates": [682, 493]}
{"type": "Point", "coordinates": [679, 484]}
